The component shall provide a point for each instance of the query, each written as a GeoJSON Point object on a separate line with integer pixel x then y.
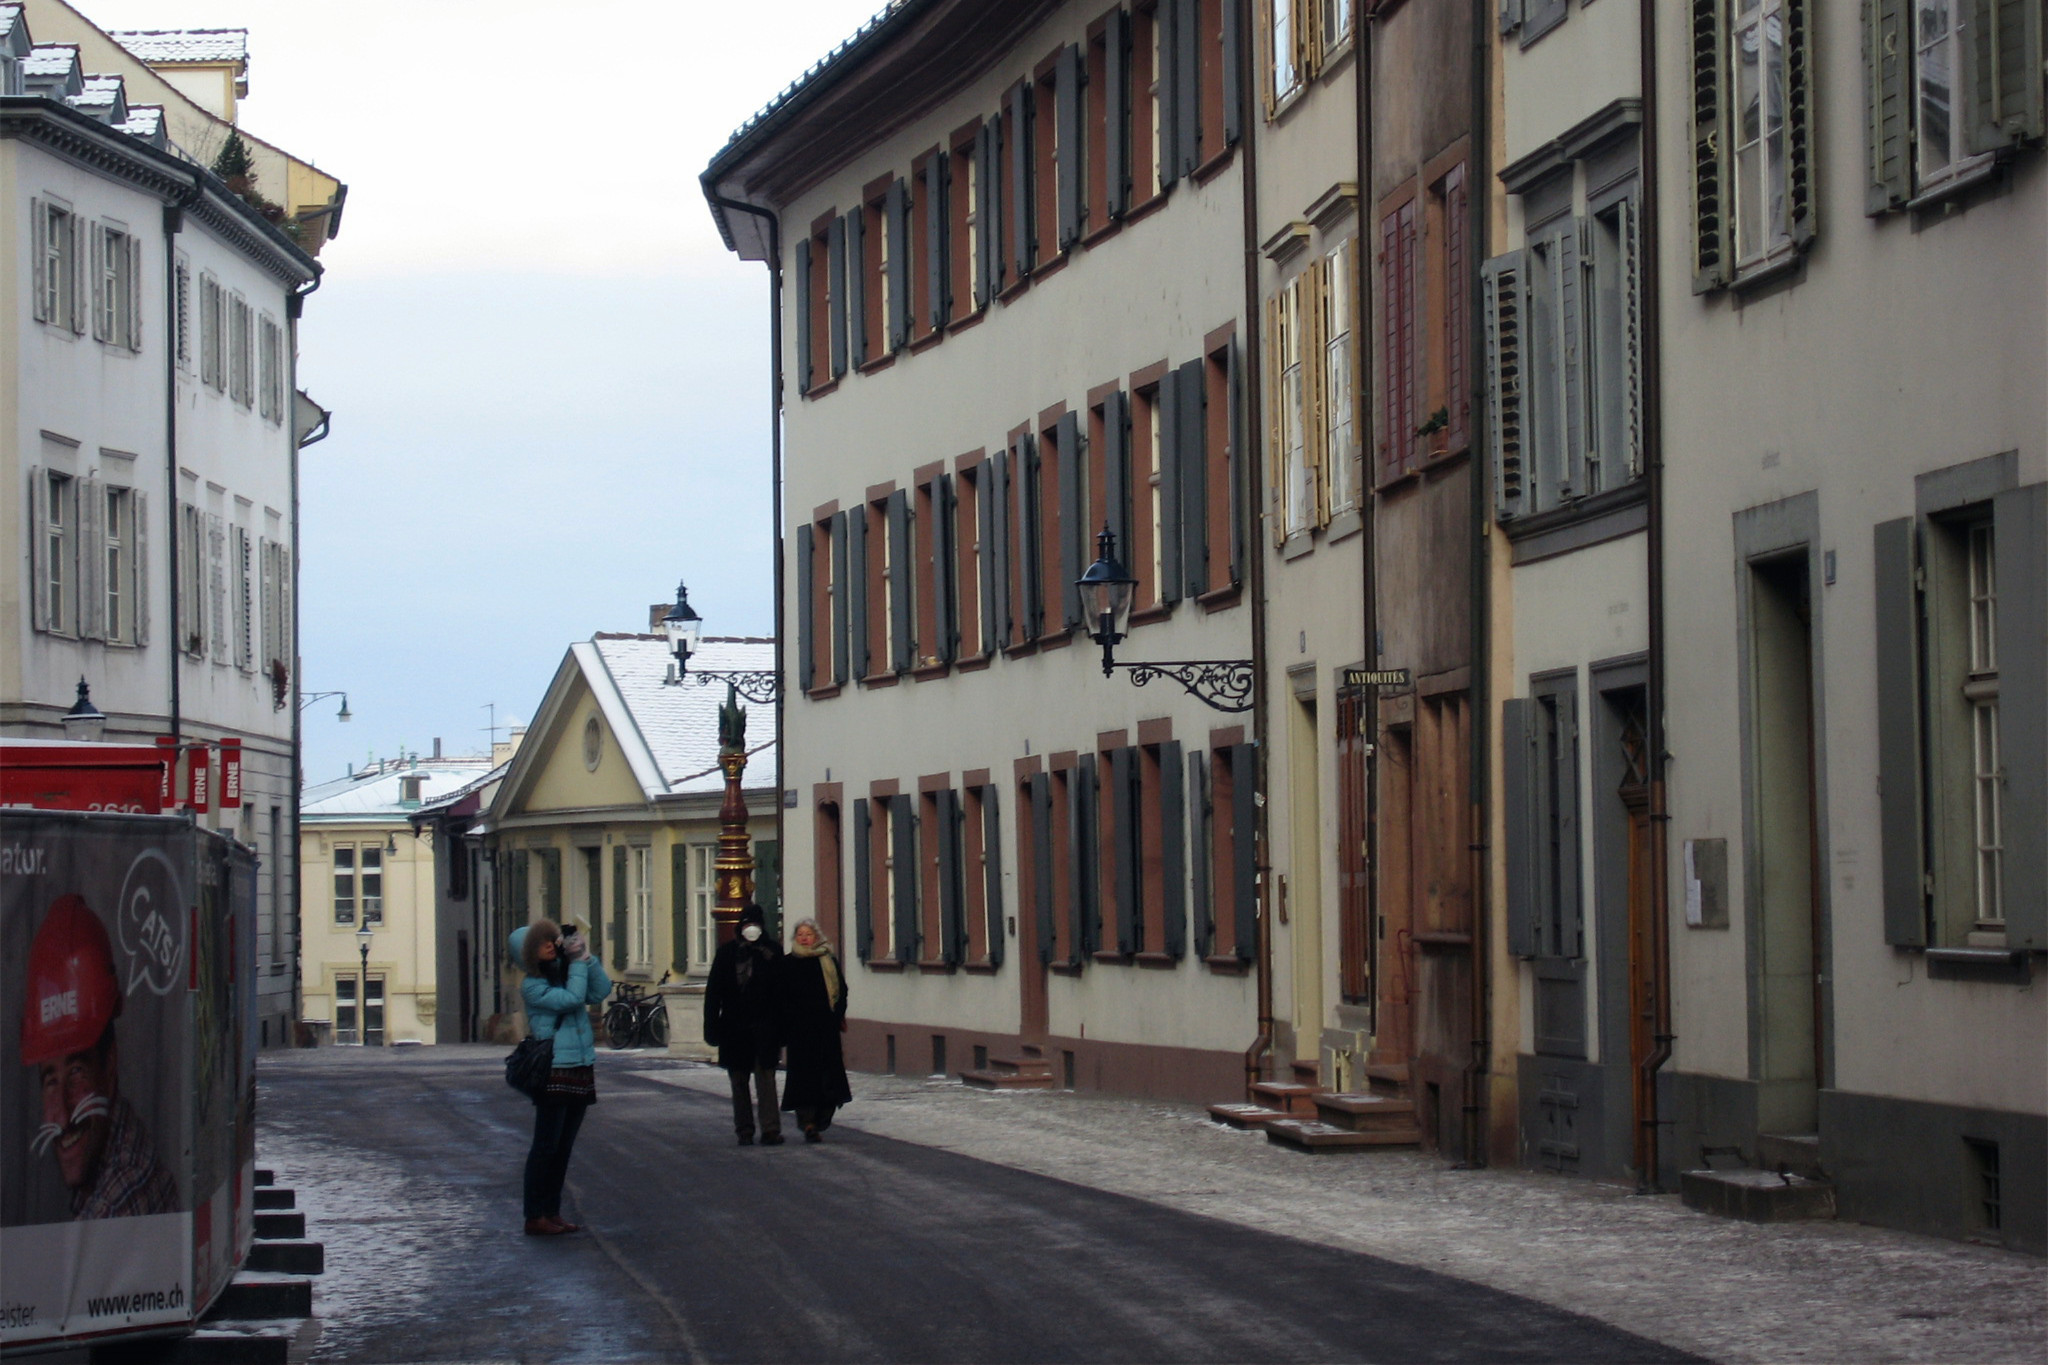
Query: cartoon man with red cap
{"type": "Point", "coordinates": [67, 1034]}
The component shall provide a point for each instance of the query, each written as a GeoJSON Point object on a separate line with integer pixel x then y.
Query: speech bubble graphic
{"type": "Point", "coordinates": [152, 922]}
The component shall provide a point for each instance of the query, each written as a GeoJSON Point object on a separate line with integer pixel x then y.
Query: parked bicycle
{"type": "Point", "coordinates": [637, 1016]}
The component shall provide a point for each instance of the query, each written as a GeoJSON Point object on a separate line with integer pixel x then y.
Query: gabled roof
{"type": "Point", "coordinates": [373, 794]}
{"type": "Point", "coordinates": [173, 46]}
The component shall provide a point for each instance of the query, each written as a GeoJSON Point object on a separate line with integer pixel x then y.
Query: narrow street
{"type": "Point", "coordinates": [867, 1248]}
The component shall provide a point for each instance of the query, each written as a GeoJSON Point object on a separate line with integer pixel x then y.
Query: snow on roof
{"type": "Point", "coordinates": [371, 794]}
{"type": "Point", "coordinates": [10, 15]}
{"type": "Point", "coordinates": [816, 70]}
{"type": "Point", "coordinates": [145, 121]}
{"type": "Point", "coordinates": [453, 794]}
{"type": "Point", "coordinates": [170, 46]}
{"type": "Point", "coordinates": [675, 726]}
{"type": "Point", "coordinates": [103, 97]}
{"type": "Point", "coordinates": [51, 59]}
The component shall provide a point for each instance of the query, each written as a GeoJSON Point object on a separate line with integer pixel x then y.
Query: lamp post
{"type": "Point", "coordinates": [84, 721]}
{"type": "Point", "coordinates": [1106, 591]}
{"type": "Point", "coordinates": [734, 872]}
{"type": "Point", "coordinates": [342, 715]}
{"type": "Point", "coordinates": [363, 932]}
{"type": "Point", "coordinates": [685, 631]}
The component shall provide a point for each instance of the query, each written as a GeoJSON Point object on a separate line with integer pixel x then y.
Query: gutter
{"type": "Point", "coordinates": [295, 306]}
{"type": "Point", "coordinates": [1368, 539]}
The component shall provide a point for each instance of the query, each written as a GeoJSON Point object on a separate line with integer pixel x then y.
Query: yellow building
{"type": "Point", "coordinates": [608, 816]}
{"type": "Point", "coordinates": [367, 918]}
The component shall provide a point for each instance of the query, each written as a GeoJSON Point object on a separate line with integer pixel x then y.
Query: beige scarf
{"type": "Point", "coordinates": [828, 962]}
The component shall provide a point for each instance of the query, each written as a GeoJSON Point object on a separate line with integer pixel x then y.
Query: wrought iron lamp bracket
{"type": "Point", "coordinates": [1222, 684]}
{"type": "Point", "coordinates": [763, 686]}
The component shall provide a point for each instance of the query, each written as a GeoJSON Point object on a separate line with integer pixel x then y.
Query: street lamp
{"type": "Point", "coordinates": [685, 631]}
{"type": "Point", "coordinates": [1106, 590]}
{"type": "Point", "coordinates": [363, 932]}
{"type": "Point", "coordinates": [84, 721]}
{"type": "Point", "coordinates": [342, 715]}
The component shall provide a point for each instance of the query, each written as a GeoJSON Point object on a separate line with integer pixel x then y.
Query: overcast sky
{"type": "Point", "coordinates": [549, 379]}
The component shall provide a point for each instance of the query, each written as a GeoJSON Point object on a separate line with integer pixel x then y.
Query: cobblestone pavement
{"type": "Point", "coordinates": [1822, 1291]}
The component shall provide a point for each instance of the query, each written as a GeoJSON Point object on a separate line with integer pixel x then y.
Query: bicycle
{"type": "Point", "coordinates": [637, 1016]}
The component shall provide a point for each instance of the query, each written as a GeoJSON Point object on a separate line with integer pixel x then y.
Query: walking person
{"type": "Point", "coordinates": [740, 1002]}
{"type": "Point", "coordinates": [563, 980]}
{"type": "Point", "coordinates": [813, 1017]}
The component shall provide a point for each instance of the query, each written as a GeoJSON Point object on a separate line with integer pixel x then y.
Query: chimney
{"type": "Point", "coordinates": [437, 746]}
{"type": "Point", "coordinates": [656, 614]}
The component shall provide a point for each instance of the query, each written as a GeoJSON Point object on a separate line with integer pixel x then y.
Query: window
{"type": "Point", "coordinates": [1020, 182]}
{"type": "Point", "coordinates": [1945, 92]}
{"type": "Point", "coordinates": [242, 563]}
{"type": "Point", "coordinates": [1107, 190]}
{"type": "Point", "coordinates": [1295, 479]}
{"type": "Point", "coordinates": [962, 253]}
{"type": "Point", "coordinates": [217, 587]}
{"type": "Point", "coordinates": [821, 608]}
{"type": "Point", "coordinates": [184, 318]}
{"type": "Point", "coordinates": [271, 386]}
{"type": "Point", "coordinates": [971, 535]}
{"type": "Point", "coordinates": [191, 580]}
{"type": "Point", "coordinates": [981, 875]}
{"type": "Point", "coordinates": [370, 864]}
{"type": "Point", "coordinates": [1223, 854]}
{"type": "Point", "coordinates": [1061, 478]}
{"type": "Point", "coordinates": [885, 877]}
{"type": "Point", "coordinates": [1143, 859]}
{"type": "Point", "coordinates": [1148, 93]}
{"type": "Point", "coordinates": [1048, 109]}
{"type": "Point", "coordinates": [1762, 215]}
{"type": "Point", "coordinates": [703, 865]}
{"type": "Point", "coordinates": [241, 353]}
{"type": "Point", "coordinates": [56, 516]}
{"type": "Point", "coordinates": [1753, 136]}
{"type": "Point", "coordinates": [118, 548]}
{"type": "Point", "coordinates": [814, 305]}
{"type": "Point", "coordinates": [1147, 538]}
{"type": "Point", "coordinates": [641, 893]}
{"type": "Point", "coordinates": [1299, 39]}
{"type": "Point", "coordinates": [828, 870]}
{"type": "Point", "coordinates": [213, 368]}
{"type": "Point", "coordinates": [1283, 56]}
{"type": "Point", "coordinates": [938, 876]}
{"type": "Point", "coordinates": [897, 582]}
{"type": "Point", "coordinates": [1340, 379]}
{"type": "Point", "coordinates": [116, 286]}
{"type": "Point", "coordinates": [1401, 338]}
{"type": "Point", "coordinates": [345, 1010]}
{"type": "Point", "coordinates": [932, 525]}
{"type": "Point", "coordinates": [59, 295]}
{"type": "Point", "coordinates": [345, 884]}
{"type": "Point", "coordinates": [1539, 735]}
{"type": "Point", "coordinates": [277, 588]}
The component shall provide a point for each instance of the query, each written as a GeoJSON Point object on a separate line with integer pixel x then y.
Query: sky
{"type": "Point", "coordinates": [549, 379]}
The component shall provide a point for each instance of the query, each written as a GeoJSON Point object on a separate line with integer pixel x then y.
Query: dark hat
{"type": "Point", "coordinates": [754, 914]}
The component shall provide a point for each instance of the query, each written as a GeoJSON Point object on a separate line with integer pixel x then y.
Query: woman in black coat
{"type": "Point", "coordinates": [813, 1016]}
{"type": "Point", "coordinates": [742, 1000]}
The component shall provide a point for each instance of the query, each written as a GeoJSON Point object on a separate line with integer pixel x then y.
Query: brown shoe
{"type": "Point", "coordinates": [564, 1225]}
{"type": "Point", "coordinates": [544, 1227]}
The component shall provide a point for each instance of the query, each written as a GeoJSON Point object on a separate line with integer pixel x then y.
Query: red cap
{"type": "Point", "coordinates": [73, 991]}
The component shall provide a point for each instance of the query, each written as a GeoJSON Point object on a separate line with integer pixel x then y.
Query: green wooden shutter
{"type": "Point", "coordinates": [1126, 835]}
{"type": "Point", "coordinates": [835, 292]}
{"type": "Point", "coordinates": [995, 495]}
{"type": "Point", "coordinates": [1039, 789]}
{"type": "Point", "coordinates": [1116, 104]}
{"type": "Point", "coordinates": [1072, 160]}
{"type": "Point", "coordinates": [1201, 864]}
{"type": "Point", "coordinates": [2002, 47]}
{"type": "Point", "coordinates": [952, 926]}
{"type": "Point", "coordinates": [896, 222]}
{"type": "Point", "coordinates": [1711, 266]}
{"type": "Point", "coordinates": [1191, 458]}
{"type": "Point", "coordinates": [1173, 826]}
{"type": "Point", "coordinates": [804, 321]}
{"type": "Point", "coordinates": [857, 285]}
{"type": "Point", "coordinates": [1501, 284]}
{"type": "Point", "coordinates": [1244, 836]}
{"type": "Point", "coordinates": [1888, 130]}
{"type": "Point", "coordinates": [618, 929]}
{"type": "Point", "coordinates": [857, 588]}
{"type": "Point", "coordinates": [935, 225]}
{"type": "Point", "coordinates": [806, 622]}
{"type": "Point", "coordinates": [2020, 526]}
{"type": "Point", "coordinates": [903, 928]}
{"type": "Point", "coordinates": [768, 882]}
{"type": "Point", "coordinates": [1187, 84]}
{"type": "Point", "coordinates": [842, 598]}
{"type": "Point", "coordinates": [990, 216]}
{"type": "Point", "coordinates": [1019, 193]}
{"type": "Point", "coordinates": [945, 573]}
{"type": "Point", "coordinates": [1073, 528]}
{"type": "Point", "coordinates": [1084, 857]}
{"type": "Point", "coordinates": [1519, 811]}
{"type": "Point", "coordinates": [902, 615]}
{"type": "Point", "coordinates": [139, 577]}
{"type": "Point", "coordinates": [1116, 470]}
{"type": "Point", "coordinates": [679, 908]}
{"type": "Point", "coordinates": [1802, 144]}
{"type": "Point", "coordinates": [985, 555]}
{"type": "Point", "coordinates": [1900, 821]}
{"type": "Point", "coordinates": [1024, 457]}
{"type": "Point", "coordinates": [1166, 411]}
{"type": "Point", "coordinates": [1233, 78]}
{"type": "Point", "coordinates": [863, 882]}
{"type": "Point", "coordinates": [992, 871]}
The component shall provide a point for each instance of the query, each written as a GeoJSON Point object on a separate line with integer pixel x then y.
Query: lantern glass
{"type": "Point", "coordinates": [683, 627]}
{"type": "Point", "coordinates": [1106, 592]}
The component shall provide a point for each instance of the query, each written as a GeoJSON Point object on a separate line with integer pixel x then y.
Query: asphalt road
{"type": "Point", "coordinates": [864, 1248]}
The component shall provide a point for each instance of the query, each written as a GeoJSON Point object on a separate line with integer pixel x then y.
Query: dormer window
{"type": "Point", "coordinates": [409, 789]}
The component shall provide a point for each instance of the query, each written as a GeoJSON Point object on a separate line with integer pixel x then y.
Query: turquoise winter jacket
{"type": "Point", "coordinates": [562, 1012]}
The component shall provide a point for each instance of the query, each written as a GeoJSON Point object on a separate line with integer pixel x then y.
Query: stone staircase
{"type": "Point", "coordinates": [1028, 1070]}
{"type": "Point", "coordinates": [1303, 1115]}
{"type": "Point", "coordinates": [1785, 1184]}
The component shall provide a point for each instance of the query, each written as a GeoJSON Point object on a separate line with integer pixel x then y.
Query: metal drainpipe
{"type": "Point", "coordinates": [1478, 1071]}
{"type": "Point", "coordinates": [1363, 85]}
{"type": "Point", "coordinates": [1653, 466]}
{"type": "Point", "coordinates": [295, 305]}
{"type": "Point", "coordinates": [775, 475]}
{"type": "Point", "coordinates": [174, 222]}
{"type": "Point", "coordinates": [1255, 556]}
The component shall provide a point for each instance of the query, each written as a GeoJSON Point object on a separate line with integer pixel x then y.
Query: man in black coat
{"type": "Point", "coordinates": [740, 1003]}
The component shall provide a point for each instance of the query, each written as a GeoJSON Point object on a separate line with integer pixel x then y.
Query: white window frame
{"type": "Point", "coordinates": [343, 869]}
{"type": "Point", "coordinates": [703, 879]}
{"type": "Point", "coordinates": [117, 285]}
{"type": "Point", "coordinates": [640, 888]}
{"type": "Point", "coordinates": [117, 550]}
{"type": "Point", "coordinates": [60, 553]}
{"type": "Point", "coordinates": [1284, 75]}
{"type": "Point", "coordinates": [1987, 767]}
{"type": "Point", "coordinates": [59, 287]}
{"type": "Point", "coordinates": [370, 863]}
{"type": "Point", "coordinates": [1340, 425]}
{"type": "Point", "coordinates": [1297, 473]}
{"type": "Point", "coordinates": [1957, 160]}
{"type": "Point", "coordinates": [242, 570]}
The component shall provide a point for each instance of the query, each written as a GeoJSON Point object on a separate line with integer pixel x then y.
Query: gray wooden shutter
{"type": "Point", "coordinates": [1903, 859]}
{"type": "Point", "coordinates": [1541, 16]}
{"type": "Point", "coordinates": [935, 225]}
{"type": "Point", "coordinates": [1233, 79]}
{"type": "Point", "coordinates": [835, 291]}
{"type": "Point", "coordinates": [1166, 411]}
{"type": "Point", "coordinates": [1187, 85]}
{"type": "Point", "coordinates": [996, 495]}
{"type": "Point", "coordinates": [1244, 835]}
{"type": "Point", "coordinates": [135, 296]}
{"type": "Point", "coordinates": [1173, 826]}
{"type": "Point", "coordinates": [903, 845]}
{"type": "Point", "coordinates": [902, 573]}
{"type": "Point", "coordinates": [2020, 522]}
{"type": "Point", "coordinates": [1501, 283]}
{"type": "Point", "coordinates": [992, 871]}
{"type": "Point", "coordinates": [1116, 104]}
{"type": "Point", "coordinates": [552, 868]}
{"type": "Point", "coordinates": [1126, 837]}
{"type": "Point", "coordinates": [857, 285]}
{"type": "Point", "coordinates": [79, 297]}
{"type": "Point", "coordinates": [945, 574]}
{"type": "Point", "coordinates": [1073, 527]}
{"type": "Point", "coordinates": [1039, 788]}
{"type": "Point", "coordinates": [1201, 864]}
{"type": "Point", "coordinates": [39, 548]}
{"type": "Point", "coordinates": [2003, 50]}
{"type": "Point", "coordinates": [863, 881]}
{"type": "Point", "coordinates": [1191, 456]}
{"type": "Point", "coordinates": [986, 557]}
{"type": "Point", "coordinates": [985, 249]}
{"type": "Point", "coordinates": [1024, 457]}
{"type": "Point", "coordinates": [1116, 470]}
{"type": "Point", "coordinates": [1518, 790]}
{"type": "Point", "coordinates": [806, 615]}
{"type": "Point", "coordinates": [1568, 340]}
{"type": "Point", "coordinates": [1711, 237]}
{"type": "Point", "coordinates": [1628, 215]}
{"type": "Point", "coordinates": [896, 216]}
{"type": "Point", "coordinates": [804, 321]}
{"type": "Point", "coordinates": [1166, 75]}
{"type": "Point", "coordinates": [139, 570]}
{"type": "Point", "coordinates": [1238, 457]}
{"type": "Point", "coordinates": [842, 600]}
{"type": "Point", "coordinates": [678, 908]}
{"type": "Point", "coordinates": [1802, 148]}
{"type": "Point", "coordinates": [992, 202]}
{"type": "Point", "coordinates": [1084, 857]}
{"type": "Point", "coordinates": [1888, 131]}
{"type": "Point", "coordinates": [857, 588]}
{"type": "Point", "coordinates": [1564, 773]}
{"type": "Point", "coordinates": [1069, 153]}
{"type": "Point", "coordinates": [952, 928]}
{"type": "Point", "coordinates": [101, 300]}
{"type": "Point", "coordinates": [39, 217]}
{"type": "Point", "coordinates": [1020, 190]}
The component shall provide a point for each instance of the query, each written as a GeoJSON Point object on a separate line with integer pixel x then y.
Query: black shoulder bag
{"type": "Point", "coordinates": [529, 1066]}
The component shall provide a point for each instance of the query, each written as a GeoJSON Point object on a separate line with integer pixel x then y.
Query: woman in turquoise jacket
{"type": "Point", "coordinates": [562, 982]}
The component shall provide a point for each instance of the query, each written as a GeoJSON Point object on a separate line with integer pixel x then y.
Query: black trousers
{"type": "Point", "coordinates": [752, 1092]}
{"type": "Point", "coordinates": [547, 1162]}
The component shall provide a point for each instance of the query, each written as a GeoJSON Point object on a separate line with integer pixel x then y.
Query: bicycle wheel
{"type": "Point", "coordinates": [657, 1026]}
{"type": "Point", "coordinates": [618, 1026]}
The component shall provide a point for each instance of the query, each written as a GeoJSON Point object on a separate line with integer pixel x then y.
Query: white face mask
{"type": "Point", "coordinates": [751, 933]}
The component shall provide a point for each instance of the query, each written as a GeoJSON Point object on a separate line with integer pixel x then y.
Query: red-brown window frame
{"type": "Point", "coordinates": [820, 338]}
{"type": "Point", "coordinates": [966, 185]}
{"type": "Point", "coordinates": [1051, 530]}
{"type": "Point", "coordinates": [930, 832]}
{"type": "Point", "coordinates": [1396, 257]}
{"type": "Point", "coordinates": [874, 227]}
{"type": "Point", "coordinates": [1045, 205]}
{"type": "Point", "coordinates": [968, 471]}
{"type": "Point", "coordinates": [924, 514]}
{"type": "Point", "coordinates": [828, 859]}
{"type": "Point", "coordinates": [881, 610]}
{"type": "Point", "coordinates": [1145, 429]}
{"type": "Point", "coordinates": [881, 878]}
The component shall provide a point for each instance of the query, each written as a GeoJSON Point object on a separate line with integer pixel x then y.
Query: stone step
{"type": "Point", "coordinates": [1287, 1096]}
{"type": "Point", "coordinates": [1368, 1112]}
{"type": "Point", "coordinates": [271, 1197]}
{"type": "Point", "coordinates": [1385, 1077]}
{"type": "Point", "coordinates": [1308, 1073]}
{"type": "Point", "coordinates": [264, 1177]}
{"type": "Point", "coordinates": [235, 1343]}
{"type": "Point", "coordinates": [1242, 1115]}
{"type": "Point", "coordinates": [281, 1227]}
{"type": "Point", "coordinates": [992, 1079]}
{"type": "Point", "coordinates": [1797, 1153]}
{"type": "Point", "coordinates": [290, 1258]}
{"type": "Point", "coordinates": [259, 1296]}
{"type": "Point", "coordinates": [1028, 1065]}
{"type": "Point", "coordinates": [1757, 1196]}
{"type": "Point", "coordinates": [1312, 1135]}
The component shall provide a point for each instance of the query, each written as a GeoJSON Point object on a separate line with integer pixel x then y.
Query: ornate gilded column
{"type": "Point", "coordinates": [735, 867]}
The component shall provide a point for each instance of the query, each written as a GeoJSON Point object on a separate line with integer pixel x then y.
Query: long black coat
{"type": "Point", "coordinates": [810, 1028]}
{"type": "Point", "coordinates": [741, 1002]}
